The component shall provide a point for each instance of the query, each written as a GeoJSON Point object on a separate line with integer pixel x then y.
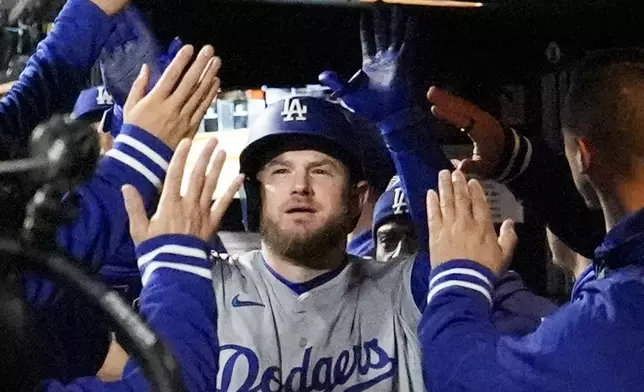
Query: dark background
{"type": "Point", "coordinates": [290, 44]}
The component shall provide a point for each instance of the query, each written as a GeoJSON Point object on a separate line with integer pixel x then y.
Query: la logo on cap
{"type": "Point", "coordinates": [103, 97]}
{"type": "Point", "coordinates": [294, 110]}
{"type": "Point", "coordinates": [399, 205]}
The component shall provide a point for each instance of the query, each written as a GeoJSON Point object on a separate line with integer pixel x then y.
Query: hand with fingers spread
{"type": "Point", "coordinates": [381, 87]}
{"type": "Point", "coordinates": [194, 214]}
{"type": "Point", "coordinates": [461, 227]}
{"type": "Point", "coordinates": [485, 131]}
{"type": "Point", "coordinates": [173, 109]}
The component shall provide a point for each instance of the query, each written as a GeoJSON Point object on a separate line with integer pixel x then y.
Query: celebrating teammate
{"type": "Point", "coordinates": [595, 342]}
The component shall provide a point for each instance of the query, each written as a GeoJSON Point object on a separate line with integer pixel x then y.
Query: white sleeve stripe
{"type": "Point", "coordinates": [155, 265]}
{"type": "Point", "coordinates": [461, 271]}
{"type": "Point", "coordinates": [144, 149]}
{"type": "Point", "coordinates": [458, 283]}
{"type": "Point", "coordinates": [136, 165]}
{"type": "Point", "coordinates": [526, 160]}
{"type": "Point", "coordinates": [515, 152]}
{"type": "Point", "coordinates": [180, 250]}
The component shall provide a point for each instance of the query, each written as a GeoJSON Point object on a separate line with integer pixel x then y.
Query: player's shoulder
{"type": "Point", "coordinates": [248, 263]}
{"type": "Point", "coordinates": [248, 259]}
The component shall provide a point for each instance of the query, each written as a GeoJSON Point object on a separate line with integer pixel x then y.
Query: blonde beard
{"type": "Point", "coordinates": [308, 250]}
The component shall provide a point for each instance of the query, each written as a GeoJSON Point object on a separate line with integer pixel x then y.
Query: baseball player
{"type": "Point", "coordinates": [91, 104]}
{"type": "Point", "coordinates": [392, 230]}
{"type": "Point", "coordinates": [595, 342]}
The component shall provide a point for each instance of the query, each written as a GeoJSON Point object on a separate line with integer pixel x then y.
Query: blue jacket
{"type": "Point", "coordinates": [419, 159]}
{"type": "Point", "coordinates": [593, 344]}
{"type": "Point", "coordinates": [178, 301]}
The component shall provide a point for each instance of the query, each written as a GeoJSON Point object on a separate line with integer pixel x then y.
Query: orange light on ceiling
{"type": "Point", "coordinates": [431, 3]}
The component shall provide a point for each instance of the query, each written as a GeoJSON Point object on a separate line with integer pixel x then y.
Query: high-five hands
{"type": "Point", "coordinates": [176, 105]}
{"type": "Point", "coordinates": [195, 214]}
{"type": "Point", "coordinates": [380, 88]}
{"type": "Point", "coordinates": [485, 131]}
{"type": "Point", "coordinates": [461, 227]}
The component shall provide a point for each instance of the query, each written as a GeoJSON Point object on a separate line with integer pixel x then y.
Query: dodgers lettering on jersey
{"type": "Point", "coordinates": [294, 110]}
{"type": "Point", "coordinates": [323, 375]}
{"type": "Point", "coordinates": [355, 332]}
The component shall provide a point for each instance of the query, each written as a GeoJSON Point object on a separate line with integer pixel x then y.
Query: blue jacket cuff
{"type": "Point", "coordinates": [462, 276]}
{"type": "Point", "coordinates": [138, 158]}
{"type": "Point", "coordinates": [176, 252]}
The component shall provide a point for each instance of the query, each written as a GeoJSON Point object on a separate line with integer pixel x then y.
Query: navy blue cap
{"type": "Point", "coordinates": [92, 103]}
{"type": "Point", "coordinates": [392, 203]}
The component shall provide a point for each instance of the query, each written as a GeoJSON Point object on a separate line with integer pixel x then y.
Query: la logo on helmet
{"type": "Point", "coordinates": [294, 110]}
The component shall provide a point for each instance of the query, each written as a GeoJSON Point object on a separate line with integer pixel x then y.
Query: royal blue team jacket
{"type": "Point", "coordinates": [596, 343]}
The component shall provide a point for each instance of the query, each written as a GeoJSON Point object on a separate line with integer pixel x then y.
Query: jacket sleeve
{"type": "Point", "coordinates": [516, 309]}
{"type": "Point", "coordinates": [463, 350]}
{"type": "Point", "coordinates": [177, 301]}
{"type": "Point", "coordinates": [418, 159]}
{"type": "Point", "coordinates": [54, 75]}
{"type": "Point", "coordinates": [542, 179]}
{"type": "Point", "coordinates": [100, 236]}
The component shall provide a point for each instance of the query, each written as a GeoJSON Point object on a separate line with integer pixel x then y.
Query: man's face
{"type": "Point", "coordinates": [308, 204]}
{"type": "Point", "coordinates": [395, 238]}
{"type": "Point", "coordinates": [575, 161]}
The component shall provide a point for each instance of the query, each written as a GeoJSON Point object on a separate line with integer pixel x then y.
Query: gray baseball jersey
{"type": "Point", "coordinates": [356, 332]}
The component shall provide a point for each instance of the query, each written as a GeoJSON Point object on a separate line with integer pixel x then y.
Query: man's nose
{"type": "Point", "coordinates": [301, 183]}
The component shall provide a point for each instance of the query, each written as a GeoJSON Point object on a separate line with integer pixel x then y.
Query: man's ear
{"type": "Point", "coordinates": [362, 191]}
{"type": "Point", "coordinates": [358, 197]}
{"type": "Point", "coordinates": [586, 154]}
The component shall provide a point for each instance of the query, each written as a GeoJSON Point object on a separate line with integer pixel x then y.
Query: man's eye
{"type": "Point", "coordinates": [323, 172]}
{"type": "Point", "coordinates": [279, 171]}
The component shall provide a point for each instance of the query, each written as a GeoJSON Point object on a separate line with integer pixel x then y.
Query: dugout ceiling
{"type": "Point", "coordinates": [286, 45]}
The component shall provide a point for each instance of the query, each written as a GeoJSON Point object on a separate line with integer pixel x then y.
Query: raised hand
{"type": "Point", "coordinates": [194, 214]}
{"type": "Point", "coordinates": [380, 88]}
{"type": "Point", "coordinates": [485, 131]}
{"type": "Point", "coordinates": [461, 227]}
{"type": "Point", "coordinates": [173, 109]}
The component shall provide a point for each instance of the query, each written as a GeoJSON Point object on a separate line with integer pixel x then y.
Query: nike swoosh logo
{"type": "Point", "coordinates": [237, 303]}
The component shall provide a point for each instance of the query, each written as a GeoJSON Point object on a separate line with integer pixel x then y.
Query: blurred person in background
{"type": "Point", "coordinates": [91, 106]}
